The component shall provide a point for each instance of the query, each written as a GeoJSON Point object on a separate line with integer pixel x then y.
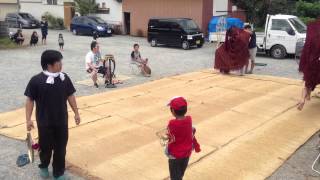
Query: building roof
{"type": "Point", "coordinates": [283, 16]}
{"type": "Point", "coordinates": [8, 1]}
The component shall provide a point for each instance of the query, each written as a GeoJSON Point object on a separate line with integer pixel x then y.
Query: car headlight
{"type": "Point", "coordinates": [100, 28]}
{"type": "Point", "coordinates": [189, 37]}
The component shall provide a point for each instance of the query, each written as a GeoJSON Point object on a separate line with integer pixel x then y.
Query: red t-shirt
{"type": "Point", "coordinates": [180, 132]}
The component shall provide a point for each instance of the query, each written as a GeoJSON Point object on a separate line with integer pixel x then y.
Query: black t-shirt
{"type": "Point", "coordinates": [253, 41]}
{"type": "Point", "coordinates": [51, 99]}
{"type": "Point", "coordinates": [44, 27]}
{"type": "Point", "coordinates": [135, 55]}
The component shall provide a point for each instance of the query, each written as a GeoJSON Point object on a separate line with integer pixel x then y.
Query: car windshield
{"type": "Point", "coordinates": [188, 24]}
{"type": "Point", "coordinates": [25, 16]}
{"type": "Point", "coordinates": [98, 20]}
{"type": "Point", "coordinates": [298, 25]}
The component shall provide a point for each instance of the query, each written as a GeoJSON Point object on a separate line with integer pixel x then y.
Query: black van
{"type": "Point", "coordinates": [182, 32]}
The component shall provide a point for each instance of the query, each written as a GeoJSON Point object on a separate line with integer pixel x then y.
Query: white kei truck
{"type": "Point", "coordinates": [282, 35]}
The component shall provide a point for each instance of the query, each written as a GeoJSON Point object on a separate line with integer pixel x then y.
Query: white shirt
{"type": "Point", "coordinates": [93, 59]}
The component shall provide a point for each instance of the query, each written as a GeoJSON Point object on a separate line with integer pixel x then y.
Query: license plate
{"type": "Point", "coordinates": [33, 25]}
{"type": "Point", "coordinates": [198, 42]}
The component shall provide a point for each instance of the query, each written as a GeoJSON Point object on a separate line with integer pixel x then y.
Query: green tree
{"type": "Point", "coordinates": [85, 7]}
{"type": "Point", "coordinates": [308, 10]}
{"type": "Point", "coordinates": [257, 10]}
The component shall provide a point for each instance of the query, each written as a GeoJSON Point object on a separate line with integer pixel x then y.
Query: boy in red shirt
{"type": "Point", "coordinates": [181, 139]}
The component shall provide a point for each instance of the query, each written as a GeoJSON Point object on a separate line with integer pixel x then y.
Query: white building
{"type": "Point", "coordinates": [7, 6]}
{"type": "Point", "coordinates": [38, 7]}
{"type": "Point", "coordinates": [110, 11]}
{"type": "Point", "coordinates": [220, 7]}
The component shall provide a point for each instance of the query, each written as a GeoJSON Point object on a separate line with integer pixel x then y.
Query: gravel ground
{"type": "Point", "coordinates": [19, 65]}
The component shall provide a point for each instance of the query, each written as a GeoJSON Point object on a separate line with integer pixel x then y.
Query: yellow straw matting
{"type": "Point", "coordinates": [247, 127]}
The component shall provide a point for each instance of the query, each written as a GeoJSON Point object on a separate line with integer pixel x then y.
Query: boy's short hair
{"type": "Point", "coordinates": [247, 27]}
{"type": "Point", "coordinates": [135, 45]}
{"type": "Point", "coordinates": [50, 57]}
{"type": "Point", "coordinates": [93, 44]}
{"type": "Point", "coordinates": [181, 112]}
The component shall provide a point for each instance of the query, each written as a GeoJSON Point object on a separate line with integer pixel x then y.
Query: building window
{"type": "Point", "coordinates": [280, 25]}
{"type": "Point", "coordinates": [103, 5]}
{"type": "Point", "coordinates": [103, 9]}
{"type": "Point", "coordinates": [52, 2]}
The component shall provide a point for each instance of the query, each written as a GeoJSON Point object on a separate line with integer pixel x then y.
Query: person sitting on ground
{"type": "Point", "coordinates": [139, 61]}
{"type": "Point", "coordinates": [181, 138]}
{"type": "Point", "coordinates": [34, 38]}
{"type": "Point", "coordinates": [94, 64]}
{"type": "Point", "coordinates": [18, 37]}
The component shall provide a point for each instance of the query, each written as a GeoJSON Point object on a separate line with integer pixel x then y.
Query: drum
{"type": "Point", "coordinates": [147, 69]}
{"type": "Point", "coordinates": [109, 56]}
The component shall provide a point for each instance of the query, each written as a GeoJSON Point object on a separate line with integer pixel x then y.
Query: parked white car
{"type": "Point", "coordinates": [281, 36]}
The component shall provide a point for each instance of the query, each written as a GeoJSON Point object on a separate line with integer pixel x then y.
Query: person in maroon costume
{"type": "Point", "coordinates": [310, 62]}
{"type": "Point", "coordinates": [232, 55]}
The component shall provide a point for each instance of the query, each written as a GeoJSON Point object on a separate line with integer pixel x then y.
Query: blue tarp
{"type": "Point", "coordinates": [230, 22]}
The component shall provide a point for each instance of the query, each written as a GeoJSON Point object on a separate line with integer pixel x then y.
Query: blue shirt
{"type": "Point", "coordinates": [44, 27]}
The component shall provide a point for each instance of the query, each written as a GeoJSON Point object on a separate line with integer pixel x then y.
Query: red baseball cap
{"type": "Point", "coordinates": [178, 102]}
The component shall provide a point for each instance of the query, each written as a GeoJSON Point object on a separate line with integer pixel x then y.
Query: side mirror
{"type": "Point", "coordinates": [290, 31]}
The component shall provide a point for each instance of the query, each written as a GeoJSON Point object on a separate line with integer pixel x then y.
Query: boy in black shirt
{"type": "Point", "coordinates": [50, 90]}
{"type": "Point", "coordinates": [44, 29]}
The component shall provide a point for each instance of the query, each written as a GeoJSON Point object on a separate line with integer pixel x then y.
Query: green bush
{"type": "Point", "coordinates": [307, 20]}
{"type": "Point", "coordinates": [7, 43]}
{"type": "Point", "coordinates": [54, 22]}
{"type": "Point", "coordinates": [308, 9]}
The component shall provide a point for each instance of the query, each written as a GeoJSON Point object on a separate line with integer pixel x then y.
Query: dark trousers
{"type": "Point", "coordinates": [53, 140]}
{"type": "Point", "coordinates": [177, 167]}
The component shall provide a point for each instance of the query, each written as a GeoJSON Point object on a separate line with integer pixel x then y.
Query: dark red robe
{"type": "Point", "coordinates": [310, 62]}
{"type": "Point", "coordinates": [234, 53]}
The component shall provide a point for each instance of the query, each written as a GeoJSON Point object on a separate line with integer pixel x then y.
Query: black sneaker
{"type": "Point", "coordinates": [96, 85]}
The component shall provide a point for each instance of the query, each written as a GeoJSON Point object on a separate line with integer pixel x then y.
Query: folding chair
{"type": "Point", "coordinates": [135, 69]}
{"type": "Point", "coordinates": [317, 160]}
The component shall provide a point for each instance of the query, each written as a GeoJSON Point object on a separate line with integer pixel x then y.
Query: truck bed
{"type": "Point", "coordinates": [260, 39]}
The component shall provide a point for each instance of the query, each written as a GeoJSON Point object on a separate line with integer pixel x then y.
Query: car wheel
{"type": "Point", "coordinates": [185, 45]}
{"type": "Point", "coordinates": [74, 32]}
{"type": "Point", "coordinates": [154, 42]}
{"type": "Point", "coordinates": [199, 45]}
{"type": "Point", "coordinates": [278, 52]}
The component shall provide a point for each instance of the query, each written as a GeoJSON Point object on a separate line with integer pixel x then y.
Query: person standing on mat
{"type": "Point", "coordinates": [233, 54]}
{"type": "Point", "coordinates": [310, 62]}
{"type": "Point", "coordinates": [181, 139]}
{"type": "Point", "coordinates": [50, 90]}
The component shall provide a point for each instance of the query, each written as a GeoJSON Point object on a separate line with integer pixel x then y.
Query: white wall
{"type": "Point", "coordinates": [220, 5]}
{"type": "Point", "coordinates": [7, 8]}
{"type": "Point", "coordinates": [115, 15]}
{"type": "Point", "coordinates": [38, 7]}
